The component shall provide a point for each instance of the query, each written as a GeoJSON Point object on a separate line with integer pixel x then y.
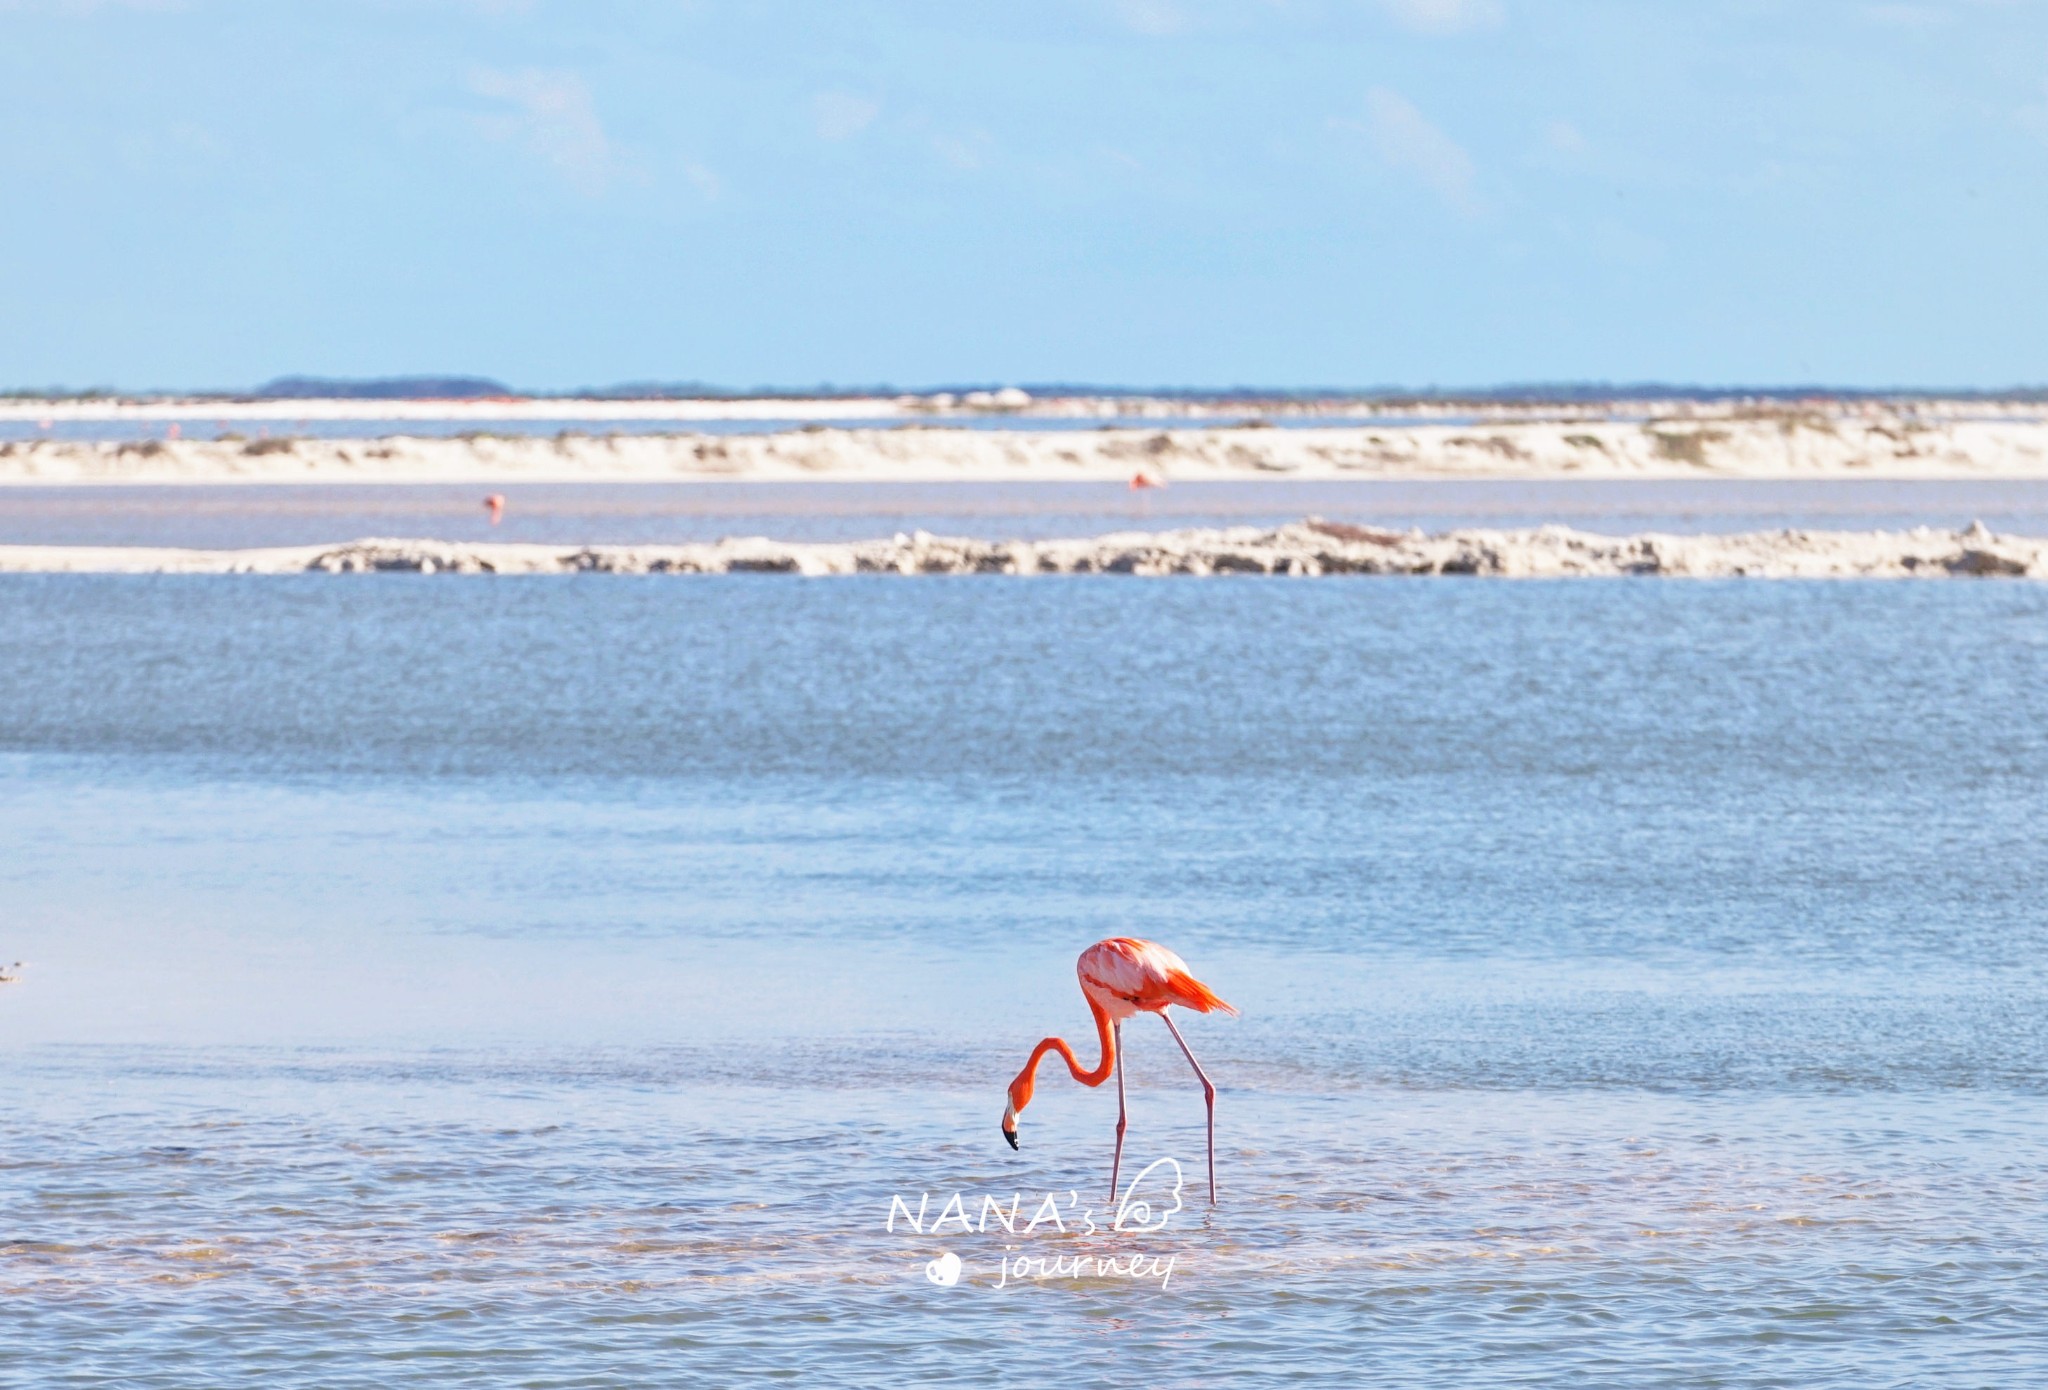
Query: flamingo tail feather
{"type": "Point", "coordinates": [1191, 993]}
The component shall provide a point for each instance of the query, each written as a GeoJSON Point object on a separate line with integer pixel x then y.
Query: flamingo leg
{"type": "Point", "coordinates": [1208, 1098]}
{"type": "Point", "coordinates": [1116, 1163]}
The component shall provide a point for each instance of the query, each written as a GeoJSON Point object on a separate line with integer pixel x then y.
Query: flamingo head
{"type": "Point", "coordinates": [1018, 1100]}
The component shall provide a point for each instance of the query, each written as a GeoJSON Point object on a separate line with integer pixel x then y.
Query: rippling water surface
{"type": "Point", "coordinates": [551, 982]}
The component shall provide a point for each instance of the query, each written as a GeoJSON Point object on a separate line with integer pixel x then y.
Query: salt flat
{"type": "Point", "coordinates": [1759, 443]}
{"type": "Point", "coordinates": [1304, 549]}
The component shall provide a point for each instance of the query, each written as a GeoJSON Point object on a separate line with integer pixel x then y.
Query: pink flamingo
{"type": "Point", "coordinates": [1121, 977]}
{"type": "Point", "coordinates": [495, 504]}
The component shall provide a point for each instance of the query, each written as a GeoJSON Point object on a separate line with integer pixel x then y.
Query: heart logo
{"type": "Point", "coordinates": [944, 1271]}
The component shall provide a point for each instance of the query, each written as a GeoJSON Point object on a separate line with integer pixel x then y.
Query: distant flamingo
{"type": "Point", "coordinates": [1121, 977]}
{"type": "Point", "coordinates": [495, 504]}
{"type": "Point", "coordinates": [1141, 481]}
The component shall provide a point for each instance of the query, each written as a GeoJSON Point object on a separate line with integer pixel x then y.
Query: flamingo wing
{"type": "Point", "coordinates": [1126, 975]}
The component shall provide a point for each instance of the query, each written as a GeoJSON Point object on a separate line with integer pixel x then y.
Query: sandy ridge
{"type": "Point", "coordinates": [1304, 548]}
{"type": "Point", "coordinates": [1756, 445]}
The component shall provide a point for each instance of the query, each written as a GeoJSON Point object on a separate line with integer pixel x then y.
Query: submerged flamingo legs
{"type": "Point", "coordinates": [1208, 1098]}
{"type": "Point", "coordinates": [1116, 1162]}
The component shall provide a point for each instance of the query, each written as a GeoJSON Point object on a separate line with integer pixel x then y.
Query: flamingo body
{"type": "Point", "coordinates": [1126, 976]}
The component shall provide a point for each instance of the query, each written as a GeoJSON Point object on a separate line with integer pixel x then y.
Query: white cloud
{"type": "Point", "coordinates": [843, 115]}
{"type": "Point", "coordinates": [703, 180]}
{"type": "Point", "coordinates": [554, 119]}
{"type": "Point", "coordinates": [966, 152]}
{"type": "Point", "coordinates": [1564, 138]}
{"type": "Point", "coordinates": [1907, 16]}
{"type": "Point", "coordinates": [1157, 17]}
{"type": "Point", "coordinates": [1927, 14]}
{"type": "Point", "coordinates": [1446, 16]}
{"type": "Point", "coordinates": [2034, 119]}
{"type": "Point", "coordinates": [89, 6]}
{"type": "Point", "coordinates": [1404, 139]}
{"type": "Point", "coordinates": [181, 148]}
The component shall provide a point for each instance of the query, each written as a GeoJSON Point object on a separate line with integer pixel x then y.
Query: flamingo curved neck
{"type": "Point", "coordinates": [1105, 1031]}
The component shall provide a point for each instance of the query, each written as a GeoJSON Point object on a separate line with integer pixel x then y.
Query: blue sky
{"type": "Point", "coordinates": [1199, 192]}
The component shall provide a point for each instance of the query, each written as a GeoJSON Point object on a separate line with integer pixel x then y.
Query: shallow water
{"type": "Point", "coordinates": [240, 515]}
{"type": "Point", "coordinates": [550, 982]}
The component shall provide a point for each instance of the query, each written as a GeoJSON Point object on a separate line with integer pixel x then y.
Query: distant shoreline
{"type": "Point", "coordinates": [1306, 549]}
{"type": "Point", "coordinates": [941, 407]}
{"type": "Point", "coordinates": [1753, 443]}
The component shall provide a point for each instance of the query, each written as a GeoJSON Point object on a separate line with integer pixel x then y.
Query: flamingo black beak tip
{"type": "Point", "coordinates": [1011, 1135]}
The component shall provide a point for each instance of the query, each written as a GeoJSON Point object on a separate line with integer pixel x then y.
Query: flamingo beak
{"type": "Point", "coordinates": [1010, 1124]}
{"type": "Point", "coordinates": [1011, 1135]}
